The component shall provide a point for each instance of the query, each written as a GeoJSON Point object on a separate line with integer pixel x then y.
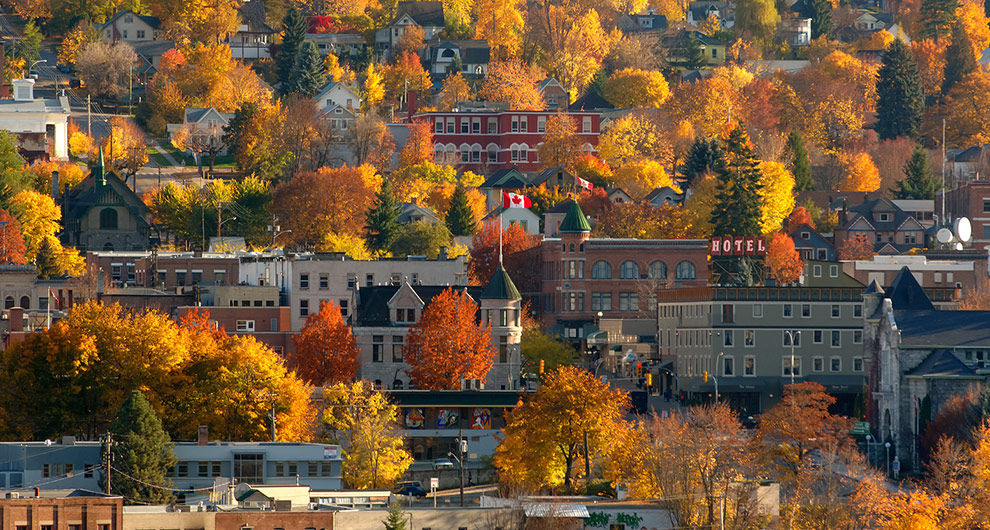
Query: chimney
{"type": "Point", "coordinates": [204, 435]}
{"type": "Point", "coordinates": [411, 103]}
{"type": "Point", "coordinates": [16, 318]}
{"type": "Point", "coordinates": [55, 185]}
{"type": "Point", "coordinates": [37, 492]}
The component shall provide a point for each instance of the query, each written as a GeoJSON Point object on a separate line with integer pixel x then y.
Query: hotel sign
{"type": "Point", "coordinates": [739, 246]}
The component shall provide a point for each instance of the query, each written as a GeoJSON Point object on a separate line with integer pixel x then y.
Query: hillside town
{"type": "Point", "coordinates": [494, 264]}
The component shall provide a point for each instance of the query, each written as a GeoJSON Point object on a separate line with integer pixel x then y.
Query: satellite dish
{"type": "Point", "coordinates": [944, 235]}
{"type": "Point", "coordinates": [963, 229]}
{"type": "Point", "coordinates": [959, 246]}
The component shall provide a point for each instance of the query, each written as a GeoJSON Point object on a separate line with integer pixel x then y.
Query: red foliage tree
{"type": "Point", "coordinates": [783, 260]}
{"type": "Point", "coordinates": [595, 202]}
{"type": "Point", "coordinates": [326, 350]}
{"type": "Point", "coordinates": [419, 144]}
{"type": "Point", "coordinates": [800, 216]}
{"type": "Point", "coordinates": [856, 248]}
{"type": "Point", "coordinates": [520, 251]}
{"type": "Point", "coordinates": [12, 247]}
{"type": "Point", "coordinates": [447, 345]}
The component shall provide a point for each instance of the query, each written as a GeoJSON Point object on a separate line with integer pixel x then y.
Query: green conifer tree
{"type": "Point", "coordinates": [29, 48]}
{"type": "Point", "coordinates": [737, 209]}
{"type": "Point", "coordinates": [900, 97]}
{"type": "Point", "coordinates": [46, 261]}
{"type": "Point", "coordinates": [382, 225]}
{"type": "Point", "coordinates": [820, 13]}
{"type": "Point", "coordinates": [294, 32]}
{"type": "Point", "coordinates": [694, 55]}
{"type": "Point", "coordinates": [959, 59]}
{"type": "Point", "coordinates": [396, 519]}
{"type": "Point", "coordinates": [141, 453]}
{"type": "Point", "coordinates": [240, 124]}
{"type": "Point", "coordinates": [799, 164]}
{"type": "Point", "coordinates": [460, 218]}
{"type": "Point", "coordinates": [308, 73]}
{"type": "Point", "coordinates": [918, 182]}
{"type": "Point", "coordinates": [703, 157]}
{"type": "Point", "coordinates": [937, 17]}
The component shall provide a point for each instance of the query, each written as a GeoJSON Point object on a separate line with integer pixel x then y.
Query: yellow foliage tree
{"type": "Point", "coordinates": [640, 177]}
{"type": "Point", "coordinates": [455, 89]}
{"type": "Point", "coordinates": [968, 108]}
{"type": "Point", "coordinates": [861, 173]}
{"type": "Point", "coordinates": [631, 87]}
{"type": "Point", "coordinates": [706, 104]}
{"type": "Point", "coordinates": [737, 76]}
{"type": "Point", "coordinates": [544, 437]}
{"type": "Point", "coordinates": [776, 195]}
{"type": "Point", "coordinates": [39, 217]}
{"type": "Point", "coordinates": [930, 56]}
{"type": "Point", "coordinates": [972, 16]}
{"type": "Point", "coordinates": [374, 88]}
{"type": "Point", "coordinates": [338, 72]}
{"type": "Point", "coordinates": [365, 420]}
{"type": "Point", "coordinates": [632, 137]}
{"type": "Point", "coordinates": [587, 43]}
{"type": "Point", "coordinates": [500, 22]}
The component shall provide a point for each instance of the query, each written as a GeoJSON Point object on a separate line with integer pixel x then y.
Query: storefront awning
{"type": "Point", "coordinates": [845, 384]}
{"type": "Point", "coordinates": [617, 347]}
{"type": "Point", "coordinates": [734, 384]}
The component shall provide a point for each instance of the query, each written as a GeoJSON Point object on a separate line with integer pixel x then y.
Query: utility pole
{"type": "Point", "coordinates": [461, 450]}
{"type": "Point", "coordinates": [89, 117]}
{"type": "Point", "coordinates": [587, 461]}
{"type": "Point", "coordinates": [109, 442]}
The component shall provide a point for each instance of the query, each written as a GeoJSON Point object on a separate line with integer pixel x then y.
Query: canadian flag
{"type": "Point", "coordinates": [583, 183]}
{"type": "Point", "coordinates": [514, 200]}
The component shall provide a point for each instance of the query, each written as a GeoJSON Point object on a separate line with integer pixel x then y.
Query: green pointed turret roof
{"type": "Point", "coordinates": [99, 172]}
{"type": "Point", "coordinates": [500, 287]}
{"type": "Point", "coordinates": [574, 222]}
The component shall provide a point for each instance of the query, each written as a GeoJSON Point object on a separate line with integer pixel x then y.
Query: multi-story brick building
{"type": "Point", "coordinates": [166, 270]}
{"type": "Point", "coordinates": [972, 200]}
{"type": "Point", "coordinates": [487, 139]}
{"type": "Point", "coordinates": [61, 509]}
{"type": "Point", "coordinates": [587, 278]}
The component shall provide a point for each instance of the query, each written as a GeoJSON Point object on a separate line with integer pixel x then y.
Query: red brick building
{"type": "Point", "coordinates": [586, 278]}
{"type": "Point", "coordinates": [484, 140]}
{"type": "Point", "coordinates": [168, 269]}
{"type": "Point", "coordinates": [269, 325]}
{"type": "Point", "coordinates": [972, 200]}
{"type": "Point", "coordinates": [57, 510]}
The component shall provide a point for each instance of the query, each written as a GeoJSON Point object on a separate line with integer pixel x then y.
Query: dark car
{"type": "Point", "coordinates": [412, 489]}
{"type": "Point", "coordinates": [64, 68]}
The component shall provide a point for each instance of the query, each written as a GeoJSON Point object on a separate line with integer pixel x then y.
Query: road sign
{"type": "Point", "coordinates": [434, 483]}
{"type": "Point", "coordinates": [861, 427]}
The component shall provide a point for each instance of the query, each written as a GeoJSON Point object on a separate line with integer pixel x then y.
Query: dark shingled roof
{"type": "Point", "coordinates": [89, 192]}
{"type": "Point", "coordinates": [941, 364]}
{"type": "Point", "coordinates": [425, 13]}
{"type": "Point", "coordinates": [561, 207]}
{"type": "Point", "coordinates": [873, 288]}
{"type": "Point", "coordinates": [574, 222]}
{"type": "Point", "coordinates": [372, 302]}
{"type": "Point", "coordinates": [944, 328]}
{"type": "Point", "coordinates": [591, 101]}
{"type": "Point", "coordinates": [906, 294]}
{"type": "Point", "coordinates": [500, 287]}
{"type": "Point", "coordinates": [509, 178]}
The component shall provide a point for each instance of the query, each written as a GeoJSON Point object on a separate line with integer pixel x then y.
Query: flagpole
{"type": "Point", "coordinates": [49, 309]}
{"type": "Point", "coordinates": [500, 237]}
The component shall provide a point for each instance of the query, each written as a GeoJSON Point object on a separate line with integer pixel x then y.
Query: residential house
{"type": "Point", "coordinates": [341, 120]}
{"type": "Point", "coordinates": [699, 11]}
{"type": "Point", "coordinates": [130, 27]}
{"type": "Point", "coordinates": [40, 125]}
{"type": "Point", "coordinates": [412, 212]}
{"type": "Point", "coordinates": [383, 315]}
{"type": "Point", "coordinates": [795, 31]}
{"type": "Point", "coordinates": [643, 23]}
{"type": "Point", "coordinates": [922, 358]}
{"type": "Point", "coordinates": [971, 200]}
{"type": "Point", "coordinates": [204, 126]}
{"type": "Point", "coordinates": [676, 41]}
{"type": "Point", "coordinates": [585, 277]}
{"type": "Point", "coordinates": [470, 57]}
{"type": "Point", "coordinates": [872, 21]}
{"type": "Point", "coordinates": [813, 246]}
{"type": "Point", "coordinates": [524, 217]}
{"type": "Point", "coordinates": [103, 213]}
{"type": "Point", "coordinates": [665, 196]}
{"type": "Point", "coordinates": [555, 177]}
{"type": "Point", "coordinates": [254, 37]}
{"type": "Point", "coordinates": [338, 94]}
{"type": "Point", "coordinates": [891, 229]}
{"type": "Point", "coordinates": [591, 101]}
{"type": "Point", "coordinates": [554, 94]}
{"type": "Point", "coordinates": [619, 196]}
{"type": "Point", "coordinates": [487, 139]}
{"type": "Point", "coordinates": [503, 180]}
{"type": "Point", "coordinates": [341, 44]}
{"type": "Point", "coordinates": [149, 55]}
{"type": "Point", "coordinates": [427, 14]}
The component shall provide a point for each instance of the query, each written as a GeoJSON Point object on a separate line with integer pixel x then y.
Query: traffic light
{"type": "Point", "coordinates": [649, 379]}
{"type": "Point", "coordinates": [704, 376]}
{"type": "Point", "coordinates": [542, 365]}
{"type": "Point", "coordinates": [639, 368]}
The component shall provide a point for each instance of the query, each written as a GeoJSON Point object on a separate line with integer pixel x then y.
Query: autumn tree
{"type": "Point", "coordinates": [783, 260]}
{"type": "Point", "coordinates": [966, 109]}
{"type": "Point", "coordinates": [861, 174]}
{"type": "Point", "coordinates": [856, 247]}
{"type": "Point", "coordinates": [12, 248]}
{"type": "Point", "coordinates": [326, 350]}
{"type": "Point", "coordinates": [900, 98]}
{"type": "Point", "coordinates": [513, 83]}
{"type": "Point", "coordinates": [80, 35]}
{"type": "Point", "coordinates": [759, 18]}
{"type": "Point", "coordinates": [634, 137]}
{"type": "Point", "coordinates": [641, 220]}
{"type": "Point", "coordinates": [39, 218]}
{"type": "Point", "coordinates": [406, 75]}
{"type": "Point", "coordinates": [800, 216]}
{"type": "Point", "coordinates": [370, 142]}
{"type": "Point", "coordinates": [536, 346]}
{"type": "Point", "coordinates": [364, 421]}
{"type": "Point", "coordinates": [561, 145]}
{"type": "Point", "coordinates": [520, 252]}
{"type": "Point", "coordinates": [500, 22]}
{"type": "Point", "coordinates": [936, 18]}
{"type": "Point", "coordinates": [374, 90]}
{"type": "Point", "coordinates": [918, 182]}
{"type": "Point", "coordinates": [544, 437]}
{"type": "Point", "coordinates": [930, 56]}
{"type": "Point", "coordinates": [419, 144]}
{"type": "Point", "coordinates": [141, 452]}
{"type": "Point", "coordinates": [585, 45]}
{"type": "Point", "coordinates": [420, 238]}
{"type": "Point", "coordinates": [105, 68]}
{"type": "Point", "coordinates": [454, 90]}
{"type": "Point", "coordinates": [640, 177]}
{"type": "Point", "coordinates": [633, 88]}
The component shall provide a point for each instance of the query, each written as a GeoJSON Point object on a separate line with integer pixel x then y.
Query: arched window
{"type": "Point", "coordinates": [685, 270]}
{"type": "Point", "coordinates": [26, 302]}
{"type": "Point", "coordinates": [572, 248]}
{"type": "Point", "coordinates": [658, 270]}
{"type": "Point", "coordinates": [8, 302]}
{"type": "Point", "coordinates": [492, 153]}
{"type": "Point", "coordinates": [108, 247]}
{"type": "Point", "coordinates": [601, 270]}
{"type": "Point", "coordinates": [629, 271]}
{"type": "Point", "coordinates": [439, 154]}
{"type": "Point", "coordinates": [108, 219]}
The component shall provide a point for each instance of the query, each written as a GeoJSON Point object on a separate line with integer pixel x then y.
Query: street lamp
{"type": "Point", "coordinates": [714, 377]}
{"type": "Point", "coordinates": [790, 336]}
{"type": "Point", "coordinates": [887, 445]}
{"type": "Point", "coordinates": [36, 62]}
{"type": "Point", "coordinates": [869, 446]}
{"type": "Point", "coordinates": [462, 448]}
{"type": "Point", "coordinates": [220, 228]}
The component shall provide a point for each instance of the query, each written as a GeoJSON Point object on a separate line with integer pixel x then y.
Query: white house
{"type": "Point", "coordinates": [41, 125]}
{"type": "Point", "coordinates": [128, 26]}
{"type": "Point", "coordinates": [427, 14]}
{"type": "Point", "coordinates": [523, 217]}
{"type": "Point", "coordinates": [253, 36]}
{"type": "Point", "coordinates": [341, 120]}
{"type": "Point", "coordinates": [343, 44]}
{"type": "Point", "coordinates": [337, 94]}
{"type": "Point", "coordinates": [202, 123]}
{"type": "Point", "coordinates": [470, 57]}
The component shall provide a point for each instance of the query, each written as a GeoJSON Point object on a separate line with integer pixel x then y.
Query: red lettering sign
{"type": "Point", "coordinates": [739, 246]}
{"type": "Point", "coordinates": [727, 246]}
{"type": "Point", "coordinates": [716, 246]}
{"type": "Point", "coordinates": [739, 242]}
{"type": "Point", "coordinates": [750, 245]}
{"type": "Point", "coordinates": [761, 246]}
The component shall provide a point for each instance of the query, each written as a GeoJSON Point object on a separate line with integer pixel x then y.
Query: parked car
{"type": "Point", "coordinates": [412, 488]}
{"type": "Point", "coordinates": [64, 68]}
{"type": "Point", "coordinates": [443, 463]}
{"type": "Point", "coordinates": [33, 74]}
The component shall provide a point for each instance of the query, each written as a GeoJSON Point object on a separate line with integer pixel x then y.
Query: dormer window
{"type": "Point", "coordinates": [805, 235]}
{"type": "Point", "coordinates": [405, 316]}
{"type": "Point", "coordinates": [884, 217]}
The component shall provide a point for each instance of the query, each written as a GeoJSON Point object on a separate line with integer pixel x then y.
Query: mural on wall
{"type": "Point", "coordinates": [481, 418]}
{"type": "Point", "coordinates": [447, 418]}
{"type": "Point", "coordinates": [415, 418]}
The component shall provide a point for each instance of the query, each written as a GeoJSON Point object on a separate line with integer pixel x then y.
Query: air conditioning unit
{"type": "Point", "coordinates": [14, 495]}
{"type": "Point", "coordinates": [472, 384]}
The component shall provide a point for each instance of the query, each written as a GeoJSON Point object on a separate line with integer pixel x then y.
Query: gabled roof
{"type": "Point", "coordinates": [547, 174]}
{"type": "Point", "coordinates": [548, 82]}
{"type": "Point", "coordinates": [591, 101]}
{"type": "Point", "coordinates": [424, 13]}
{"type": "Point", "coordinates": [944, 328]}
{"type": "Point", "coordinates": [253, 16]}
{"type": "Point", "coordinates": [906, 294]}
{"type": "Point", "coordinates": [574, 222]}
{"type": "Point", "coordinates": [509, 178]}
{"type": "Point", "coordinates": [408, 210]}
{"type": "Point", "coordinates": [500, 287]}
{"type": "Point", "coordinates": [941, 364]}
{"type": "Point", "coordinates": [873, 288]}
{"type": "Point", "coordinates": [88, 193]}
{"type": "Point", "coordinates": [372, 302]}
{"type": "Point", "coordinates": [154, 22]}
{"type": "Point", "coordinates": [197, 114]}
{"type": "Point", "coordinates": [472, 51]}
{"type": "Point", "coordinates": [152, 48]}
{"type": "Point", "coordinates": [333, 85]}
{"type": "Point", "coordinates": [663, 192]}
{"type": "Point", "coordinates": [561, 207]}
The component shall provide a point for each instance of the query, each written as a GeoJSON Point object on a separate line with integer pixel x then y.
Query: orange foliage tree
{"type": "Point", "coordinates": [857, 247]}
{"type": "Point", "coordinates": [338, 207]}
{"type": "Point", "coordinates": [783, 259]}
{"type": "Point", "coordinates": [861, 173]}
{"type": "Point", "coordinates": [800, 216]}
{"type": "Point", "coordinates": [326, 350]}
{"type": "Point", "coordinates": [513, 83]}
{"type": "Point", "coordinates": [419, 144]}
{"type": "Point", "coordinates": [406, 75]}
{"type": "Point", "coordinates": [520, 253]}
{"type": "Point", "coordinates": [561, 146]}
{"type": "Point", "coordinates": [447, 345]}
{"type": "Point", "coordinates": [930, 56]}
{"type": "Point", "coordinates": [13, 248]}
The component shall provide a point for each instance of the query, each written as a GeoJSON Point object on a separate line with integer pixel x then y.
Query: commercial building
{"type": "Point", "coordinates": [40, 125]}
{"type": "Point", "coordinates": [972, 200]}
{"type": "Point", "coordinates": [61, 509]}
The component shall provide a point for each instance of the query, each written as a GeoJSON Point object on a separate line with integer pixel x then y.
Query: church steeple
{"type": "Point", "coordinates": [99, 172]}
